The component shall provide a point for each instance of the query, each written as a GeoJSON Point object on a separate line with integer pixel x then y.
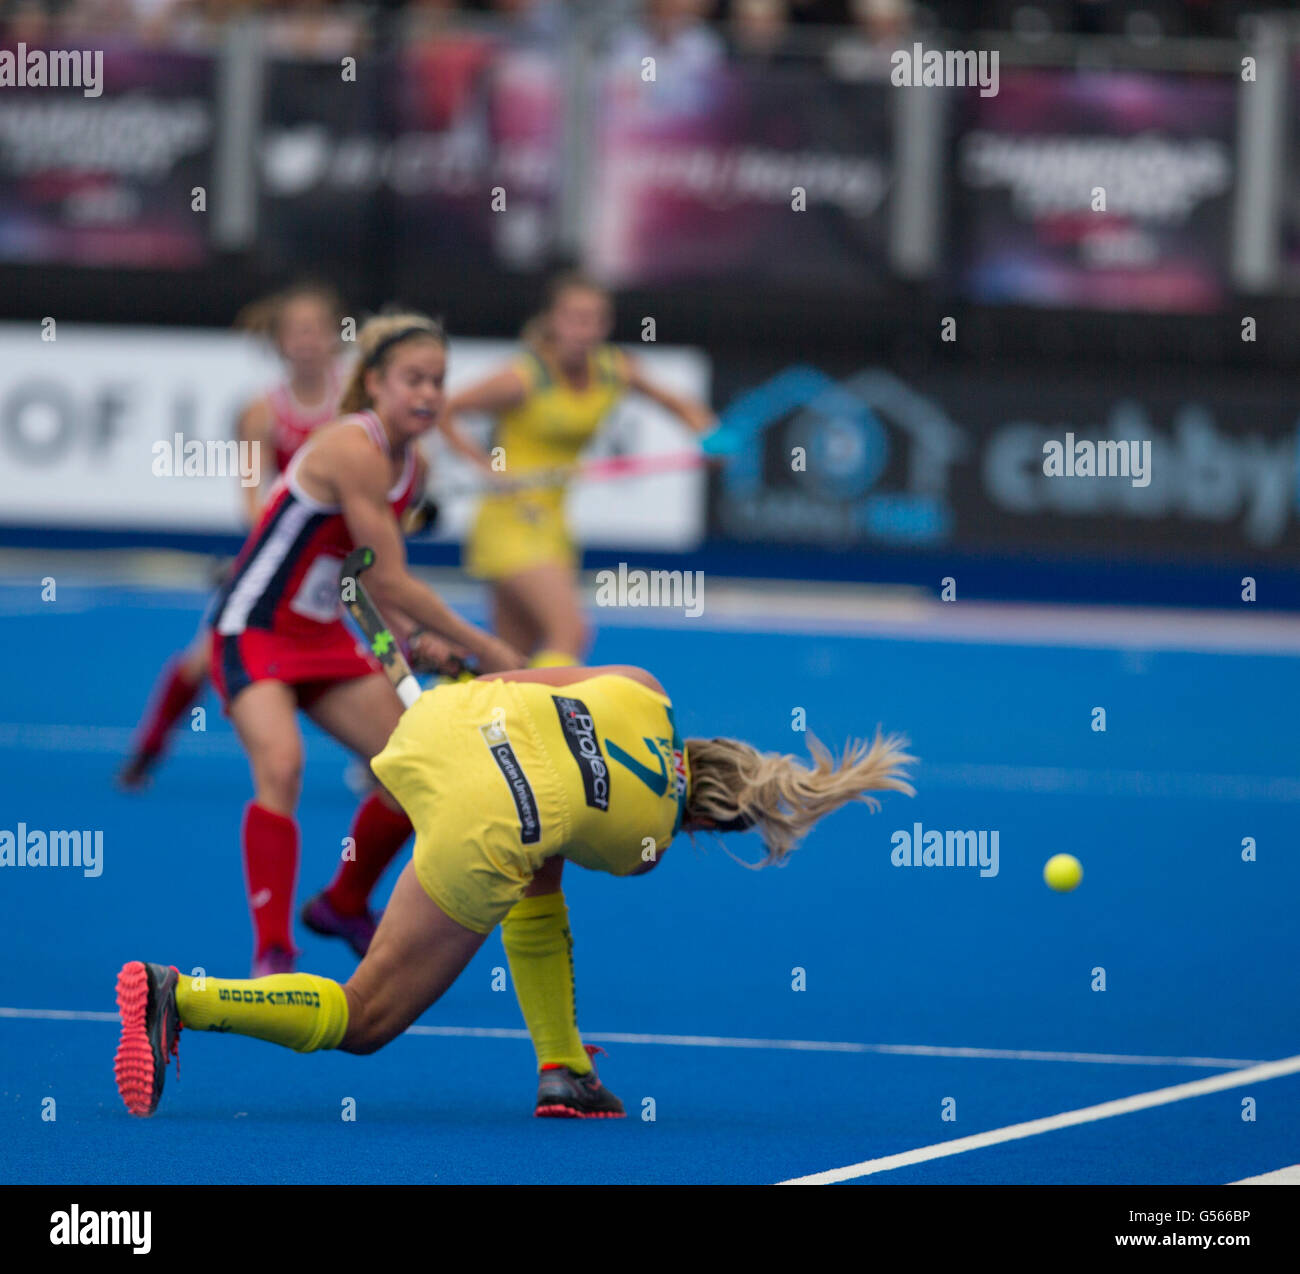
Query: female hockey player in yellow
{"type": "Point", "coordinates": [505, 778]}
{"type": "Point", "coordinates": [547, 406]}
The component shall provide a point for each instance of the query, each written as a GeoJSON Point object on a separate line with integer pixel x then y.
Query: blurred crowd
{"type": "Point", "coordinates": [693, 31]}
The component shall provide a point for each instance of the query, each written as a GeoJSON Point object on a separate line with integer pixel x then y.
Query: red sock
{"type": "Point", "coordinates": [270, 871]}
{"type": "Point", "coordinates": [173, 694]}
{"type": "Point", "coordinates": [378, 833]}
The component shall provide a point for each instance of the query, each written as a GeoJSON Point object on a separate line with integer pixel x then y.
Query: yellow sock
{"type": "Point", "coordinates": [553, 659]}
{"type": "Point", "coordinates": [539, 947]}
{"type": "Point", "coordinates": [299, 1010]}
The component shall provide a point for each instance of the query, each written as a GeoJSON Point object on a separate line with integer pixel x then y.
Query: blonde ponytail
{"type": "Point", "coordinates": [376, 340]}
{"type": "Point", "coordinates": [734, 783]}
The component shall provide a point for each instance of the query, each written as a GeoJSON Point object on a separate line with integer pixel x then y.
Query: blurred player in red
{"type": "Point", "coordinates": [279, 643]}
{"type": "Point", "coordinates": [303, 325]}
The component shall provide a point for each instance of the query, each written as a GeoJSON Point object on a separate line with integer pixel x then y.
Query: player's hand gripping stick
{"type": "Point", "coordinates": [379, 637]}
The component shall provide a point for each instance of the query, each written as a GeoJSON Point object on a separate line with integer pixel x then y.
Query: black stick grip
{"type": "Point", "coordinates": [383, 645]}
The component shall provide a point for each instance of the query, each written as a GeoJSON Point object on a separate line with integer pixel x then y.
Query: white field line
{"type": "Point", "coordinates": [1282, 1177]}
{"type": "Point", "coordinates": [1187, 631]}
{"type": "Point", "coordinates": [1156, 783]}
{"type": "Point", "coordinates": [899, 612]}
{"type": "Point", "coordinates": [1068, 1119]}
{"type": "Point", "coordinates": [725, 1041]}
{"type": "Point", "coordinates": [61, 1015]}
{"type": "Point", "coordinates": [116, 740]}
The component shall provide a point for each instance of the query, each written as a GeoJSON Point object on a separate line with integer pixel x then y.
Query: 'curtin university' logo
{"type": "Point", "coordinates": [521, 790]}
{"type": "Point", "coordinates": [865, 460]}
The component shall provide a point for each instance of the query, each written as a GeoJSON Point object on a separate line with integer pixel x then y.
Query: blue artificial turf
{"type": "Point", "coordinates": [1198, 947]}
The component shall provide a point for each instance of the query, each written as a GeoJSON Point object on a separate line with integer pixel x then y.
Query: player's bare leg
{"type": "Point", "coordinates": [549, 596]}
{"type": "Point", "coordinates": [511, 620]}
{"type": "Point", "coordinates": [360, 714]}
{"type": "Point", "coordinates": [417, 953]}
{"type": "Point", "coordinates": [265, 718]}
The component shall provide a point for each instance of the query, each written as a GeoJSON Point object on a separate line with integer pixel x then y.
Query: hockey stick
{"type": "Point", "coordinates": [378, 635]}
{"type": "Point", "coordinates": [602, 470]}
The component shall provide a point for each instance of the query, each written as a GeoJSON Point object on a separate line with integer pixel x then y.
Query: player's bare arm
{"type": "Point", "coordinates": [693, 414]}
{"type": "Point", "coordinates": [567, 676]}
{"type": "Point", "coordinates": [254, 427]}
{"type": "Point", "coordinates": [499, 392]}
{"type": "Point", "coordinates": [359, 478]}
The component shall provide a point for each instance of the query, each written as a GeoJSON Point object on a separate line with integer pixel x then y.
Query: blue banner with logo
{"type": "Point", "coordinates": [1125, 465]}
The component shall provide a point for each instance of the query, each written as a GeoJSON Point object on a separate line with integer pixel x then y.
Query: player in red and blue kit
{"type": "Point", "coordinates": [292, 421]}
{"type": "Point", "coordinates": [279, 642]}
{"type": "Point", "coordinates": [303, 325]}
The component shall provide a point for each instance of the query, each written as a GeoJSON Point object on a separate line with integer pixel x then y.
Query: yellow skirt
{"type": "Point", "coordinates": [511, 534]}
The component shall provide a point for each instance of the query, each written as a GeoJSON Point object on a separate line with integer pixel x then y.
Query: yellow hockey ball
{"type": "Point", "coordinates": [1063, 872]}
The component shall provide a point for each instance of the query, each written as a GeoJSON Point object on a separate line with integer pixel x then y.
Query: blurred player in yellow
{"type": "Point", "coordinates": [547, 406]}
{"type": "Point", "coordinates": [505, 778]}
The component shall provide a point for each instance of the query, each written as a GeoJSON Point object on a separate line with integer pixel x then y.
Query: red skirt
{"type": "Point", "coordinates": [310, 664]}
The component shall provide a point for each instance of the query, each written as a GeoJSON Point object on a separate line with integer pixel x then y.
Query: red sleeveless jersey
{"type": "Point", "coordinates": [286, 578]}
{"type": "Point", "coordinates": [292, 423]}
